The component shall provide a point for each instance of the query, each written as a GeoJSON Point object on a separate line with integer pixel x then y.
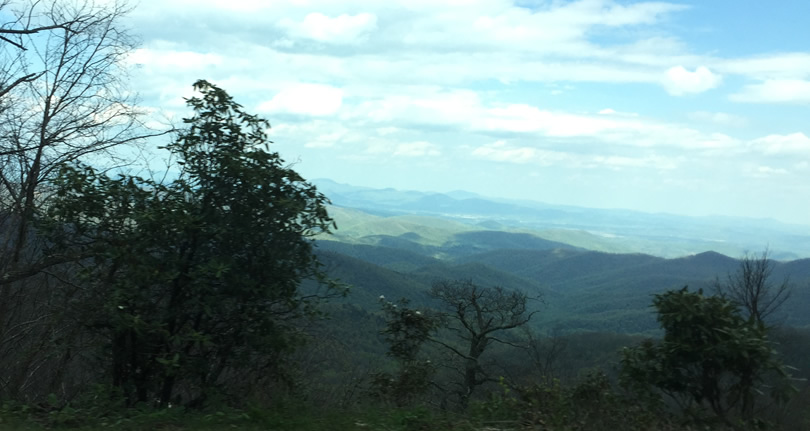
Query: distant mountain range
{"type": "Point", "coordinates": [394, 212]}
{"type": "Point", "coordinates": [595, 270]}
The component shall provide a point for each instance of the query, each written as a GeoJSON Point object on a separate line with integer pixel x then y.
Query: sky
{"type": "Point", "coordinates": [685, 107]}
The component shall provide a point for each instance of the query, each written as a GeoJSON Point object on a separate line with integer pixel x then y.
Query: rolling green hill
{"type": "Point", "coordinates": [587, 264]}
{"type": "Point", "coordinates": [426, 214]}
{"type": "Point", "coordinates": [581, 290]}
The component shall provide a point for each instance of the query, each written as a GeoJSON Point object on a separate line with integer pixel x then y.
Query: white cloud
{"type": "Point", "coordinates": [305, 99]}
{"type": "Point", "coordinates": [795, 143]}
{"type": "Point", "coordinates": [719, 118]}
{"type": "Point", "coordinates": [500, 152]}
{"type": "Point", "coordinates": [417, 149]}
{"type": "Point", "coordinates": [613, 112]}
{"type": "Point", "coordinates": [526, 118]}
{"type": "Point", "coordinates": [679, 81]}
{"type": "Point", "coordinates": [768, 171]}
{"type": "Point", "coordinates": [173, 59]}
{"type": "Point", "coordinates": [419, 105]}
{"type": "Point", "coordinates": [461, 111]}
{"type": "Point", "coordinates": [620, 162]}
{"type": "Point", "coordinates": [341, 29]}
{"type": "Point", "coordinates": [240, 5]}
{"type": "Point", "coordinates": [794, 65]}
{"type": "Point", "coordinates": [775, 91]}
{"type": "Point", "coordinates": [326, 140]}
{"type": "Point", "coordinates": [385, 83]}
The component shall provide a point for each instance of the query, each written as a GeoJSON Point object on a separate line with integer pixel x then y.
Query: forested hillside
{"type": "Point", "coordinates": [584, 290]}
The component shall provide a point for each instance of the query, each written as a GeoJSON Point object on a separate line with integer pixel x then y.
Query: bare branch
{"type": "Point", "coordinates": [477, 314]}
{"type": "Point", "coordinates": [751, 289]}
{"type": "Point", "coordinates": [65, 26]}
{"type": "Point", "coordinates": [27, 78]}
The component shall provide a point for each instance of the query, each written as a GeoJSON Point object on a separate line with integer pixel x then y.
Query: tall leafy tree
{"type": "Point", "coordinates": [189, 281]}
{"type": "Point", "coordinates": [407, 331]}
{"type": "Point", "coordinates": [710, 357]}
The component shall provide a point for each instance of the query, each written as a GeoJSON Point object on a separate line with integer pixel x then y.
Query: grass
{"type": "Point", "coordinates": [290, 418]}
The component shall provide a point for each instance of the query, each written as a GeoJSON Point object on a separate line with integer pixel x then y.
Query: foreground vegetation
{"type": "Point", "coordinates": [589, 405]}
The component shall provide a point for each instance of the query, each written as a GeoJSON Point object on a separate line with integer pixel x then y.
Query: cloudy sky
{"type": "Point", "coordinates": [689, 107]}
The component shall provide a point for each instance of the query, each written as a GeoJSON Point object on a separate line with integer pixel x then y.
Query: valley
{"type": "Point", "coordinates": [397, 243]}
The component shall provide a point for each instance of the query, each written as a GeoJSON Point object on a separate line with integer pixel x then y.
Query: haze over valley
{"type": "Point", "coordinates": [427, 216]}
{"type": "Point", "coordinates": [596, 268]}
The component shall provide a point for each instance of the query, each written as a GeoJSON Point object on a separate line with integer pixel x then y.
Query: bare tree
{"type": "Point", "coordinates": [62, 99]}
{"type": "Point", "coordinates": [751, 288]}
{"type": "Point", "coordinates": [545, 352]}
{"type": "Point", "coordinates": [30, 21]}
{"type": "Point", "coordinates": [15, 34]}
{"type": "Point", "coordinates": [478, 316]}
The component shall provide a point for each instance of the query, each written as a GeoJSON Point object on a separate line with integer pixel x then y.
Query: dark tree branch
{"type": "Point", "coordinates": [27, 78]}
{"type": "Point", "coordinates": [35, 30]}
{"type": "Point", "coordinates": [36, 268]}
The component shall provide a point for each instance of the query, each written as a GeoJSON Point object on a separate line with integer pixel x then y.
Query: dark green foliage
{"type": "Point", "coordinates": [710, 357]}
{"type": "Point", "coordinates": [188, 282]}
{"type": "Point", "coordinates": [407, 329]}
{"type": "Point", "coordinates": [406, 332]}
{"type": "Point", "coordinates": [585, 290]}
{"type": "Point", "coordinates": [590, 404]}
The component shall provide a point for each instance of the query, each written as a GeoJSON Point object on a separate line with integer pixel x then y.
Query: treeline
{"type": "Point", "coordinates": [716, 364]}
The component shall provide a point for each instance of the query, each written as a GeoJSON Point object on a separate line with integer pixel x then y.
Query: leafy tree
{"type": "Point", "coordinates": [477, 317]}
{"type": "Point", "coordinates": [192, 281]}
{"type": "Point", "coordinates": [710, 356]}
{"type": "Point", "coordinates": [406, 332]}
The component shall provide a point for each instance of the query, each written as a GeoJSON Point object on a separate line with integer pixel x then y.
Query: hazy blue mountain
{"type": "Point", "coordinates": [663, 235]}
{"type": "Point", "coordinates": [596, 269]}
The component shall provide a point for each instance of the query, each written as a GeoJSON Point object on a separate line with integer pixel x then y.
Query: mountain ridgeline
{"type": "Point", "coordinates": [364, 211]}
{"type": "Point", "coordinates": [596, 270]}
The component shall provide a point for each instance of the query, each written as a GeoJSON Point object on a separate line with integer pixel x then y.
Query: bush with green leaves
{"type": "Point", "coordinates": [406, 332]}
{"type": "Point", "coordinates": [591, 404]}
{"type": "Point", "coordinates": [185, 284]}
{"type": "Point", "coordinates": [711, 362]}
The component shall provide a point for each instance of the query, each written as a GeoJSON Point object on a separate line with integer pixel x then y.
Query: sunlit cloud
{"type": "Point", "coordinates": [343, 28]}
{"type": "Point", "coordinates": [679, 81]}
{"type": "Point", "coordinates": [563, 86]}
{"type": "Point", "coordinates": [173, 59]}
{"type": "Point", "coordinates": [719, 118]}
{"type": "Point", "coordinates": [775, 91]}
{"type": "Point", "coordinates": [795, 143]}
{"type": "Point", "coordinates": [416, 149]}
{"type": "Point", "coordinates": [305, 99]}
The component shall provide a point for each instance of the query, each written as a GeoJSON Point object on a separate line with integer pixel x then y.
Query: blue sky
{"type": "Point", "coordinates": [693, 108]}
